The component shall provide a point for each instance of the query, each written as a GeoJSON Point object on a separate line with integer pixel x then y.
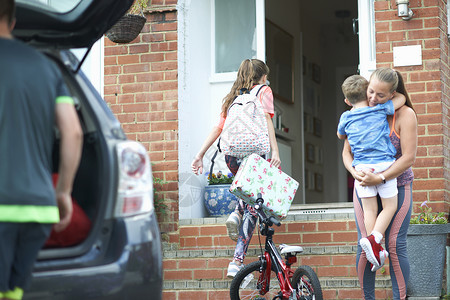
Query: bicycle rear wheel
{"type": "Point", "coordinates": [243, 287]}
{"type": "Point", "coordinates": [307, 284]}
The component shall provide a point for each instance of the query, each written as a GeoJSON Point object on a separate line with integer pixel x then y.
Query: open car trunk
{"type": "Point", "coordinates": [90, 189]}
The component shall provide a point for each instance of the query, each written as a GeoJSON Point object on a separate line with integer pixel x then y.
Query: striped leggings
{"type": "Point", "coordinates": [395, 237]}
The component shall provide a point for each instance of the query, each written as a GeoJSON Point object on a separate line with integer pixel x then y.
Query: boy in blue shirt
{"type": "Point", "coordinates": [367, 131]}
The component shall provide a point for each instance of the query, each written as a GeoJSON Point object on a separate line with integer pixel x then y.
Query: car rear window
{"type": "Point", "coordinates": [59, 6]}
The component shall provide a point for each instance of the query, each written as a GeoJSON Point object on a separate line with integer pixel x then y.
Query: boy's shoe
{"type": "Point", "coordinates": [383, 255]}
{"type": "Point", "coordinates": [233, 268]}
{"type": "Point", "coordinates": [372, 250]}
{"type": "Point", "coordinates": [232, 223]}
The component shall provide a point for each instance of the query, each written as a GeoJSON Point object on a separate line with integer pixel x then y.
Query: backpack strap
{"type": "Point", "coordinates": [259, 89]}
{"type": "Point", "coordinates": [212, 159]}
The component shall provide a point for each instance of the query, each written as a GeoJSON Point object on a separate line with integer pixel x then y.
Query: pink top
{"type": "Point", "coordinates": [265, 95]}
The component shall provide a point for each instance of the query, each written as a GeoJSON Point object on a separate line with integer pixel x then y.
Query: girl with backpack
{"type": "Point", "coordinates": [252, 73]}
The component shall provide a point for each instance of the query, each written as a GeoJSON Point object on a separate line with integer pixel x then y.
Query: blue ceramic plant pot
{"type": "Point", "coordinates": [219, 201]}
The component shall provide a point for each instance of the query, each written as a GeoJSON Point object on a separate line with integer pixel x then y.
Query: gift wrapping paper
{"type": "Point", "coordinates": [255, 175]}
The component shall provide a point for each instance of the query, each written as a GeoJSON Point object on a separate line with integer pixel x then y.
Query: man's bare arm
{"type": "Point", "coordinates": [70, 153]}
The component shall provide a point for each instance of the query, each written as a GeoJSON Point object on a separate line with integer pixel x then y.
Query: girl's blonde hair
{"type": "Point", "coordinates": [395, 79]}
{"type": "Point", "coordinates": [249, 74]}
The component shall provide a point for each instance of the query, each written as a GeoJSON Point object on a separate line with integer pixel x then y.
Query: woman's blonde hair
{"type": "Point", "coordinates": [395, 79]}
{"type": "Point", "coordinates": [249, 74]}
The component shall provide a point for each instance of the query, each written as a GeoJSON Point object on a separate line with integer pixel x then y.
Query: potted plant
{"type": "Point", "coordinates": [218, 199]}
{"type": "Point", "coordinates": [130, 25]}
{"type": "Point", "coordinates": [426, 241]}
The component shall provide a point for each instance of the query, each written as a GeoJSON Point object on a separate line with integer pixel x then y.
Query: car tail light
{"type": "Point", "coordinates": [135, 195]}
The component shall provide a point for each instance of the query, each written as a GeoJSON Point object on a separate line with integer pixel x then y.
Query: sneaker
{"type": "Point", "coordinates": [232, 223]}
{"type": "Point", "coordinates": [372, 249]}
{"type": "Point", "coordinates": [233, 268]}
{"type": "Point", "coordinates": [383, 255]}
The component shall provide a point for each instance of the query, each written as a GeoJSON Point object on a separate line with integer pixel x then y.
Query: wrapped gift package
{"type": "Point", "coordinates": [255, 175]}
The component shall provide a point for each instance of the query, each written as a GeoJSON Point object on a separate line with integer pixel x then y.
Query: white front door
{"type": "Point", "coordinates": [215, 36]}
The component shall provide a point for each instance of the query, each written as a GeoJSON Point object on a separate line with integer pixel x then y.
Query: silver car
{"type": "Point", "coordinates": [121, 258]}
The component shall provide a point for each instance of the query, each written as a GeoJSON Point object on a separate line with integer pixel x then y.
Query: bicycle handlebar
{"type": "Point", "coordinates": [274, 221]}
{"type": "Point", "coordinates": [258, 207]}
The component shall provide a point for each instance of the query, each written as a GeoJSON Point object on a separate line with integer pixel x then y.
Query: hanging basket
{"type": "Point", "coordinates": [126, 29]}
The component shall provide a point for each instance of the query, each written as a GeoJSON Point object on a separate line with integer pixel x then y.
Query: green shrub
{"type": "Point", "coordinates": [427, 217]}
{"type": "Point", "coordinates": [158, 198]}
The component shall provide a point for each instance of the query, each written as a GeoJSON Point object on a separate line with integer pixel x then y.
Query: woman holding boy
{"type": "Point", "coordinates": [383, 85]}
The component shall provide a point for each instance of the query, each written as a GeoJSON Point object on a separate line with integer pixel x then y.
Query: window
{"type": "Point", "coordinates": [236, 33]}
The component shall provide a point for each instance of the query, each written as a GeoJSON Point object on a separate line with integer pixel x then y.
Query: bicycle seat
{"type": "Point", "coordinates": [290, 249]}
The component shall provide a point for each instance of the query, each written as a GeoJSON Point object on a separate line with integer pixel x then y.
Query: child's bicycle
{"type": "Point", "coordinates": [253, 281]}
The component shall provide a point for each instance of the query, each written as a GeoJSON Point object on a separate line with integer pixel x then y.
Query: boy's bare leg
{"type": "Point", "coordinates": [384, 218]}
{"type": "Point", "coordinates": [370, 209]}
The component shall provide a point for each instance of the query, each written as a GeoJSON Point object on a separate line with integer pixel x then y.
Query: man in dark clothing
{"type": "Point", "coordinates": [33, 99]}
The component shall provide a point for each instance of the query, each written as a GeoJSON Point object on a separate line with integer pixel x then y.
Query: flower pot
{"type": "Point", "coordinates": [218, 200]}
{"type": "Point", "coordinates": [126, 29]}
{"type": "Point", "coordinates": [426, 251]}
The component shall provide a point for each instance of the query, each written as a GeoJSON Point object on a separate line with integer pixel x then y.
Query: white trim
{"type": "Point", "coordinates": [367, 46]}
{"type": "Point", "coordinates": [93, 66]}
{"type": "Point", "coordinates": [260, 30]}
{"type": "Point", "coordinates": [448, 29]}
{"type": "Point", "coordinates": [98, 52]}
{"type": "Point", "coordinates": [213, 41]}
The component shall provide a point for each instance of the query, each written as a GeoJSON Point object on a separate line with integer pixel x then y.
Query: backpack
{"type": "Point", "coordinates": [245, 128]}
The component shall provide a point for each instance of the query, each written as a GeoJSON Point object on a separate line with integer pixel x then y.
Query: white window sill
{"type": "Point", "coordinates": [223, 77]}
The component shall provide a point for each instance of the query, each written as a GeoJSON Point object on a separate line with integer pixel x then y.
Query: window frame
{"type": "Point", "coordinates": [366, 33]}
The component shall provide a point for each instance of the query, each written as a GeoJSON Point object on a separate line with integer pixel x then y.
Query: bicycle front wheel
{"type": "Point", "coordinates": [306, 283]}
{"type": "Point", "coordinates": [245, 284]}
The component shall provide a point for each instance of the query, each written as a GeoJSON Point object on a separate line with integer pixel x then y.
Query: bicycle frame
{"type": "Point", "coordinates": [283, 270]}
{"type": "Point", "coordinates": [305, 285]}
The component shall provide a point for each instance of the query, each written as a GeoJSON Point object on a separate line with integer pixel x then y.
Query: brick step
{"type": "Point", "coordinates": [327, 283]}
{"type": "Point", "coordinates": [196, 259]}
{"type": "Point", "coordinates": [304, 230]}
{"type": "Point", "coordinates": [171, 253]}
{"type": "Point", "coordinates": [327, 261]}
{"type": "Point", "coordinates": [290, 218]}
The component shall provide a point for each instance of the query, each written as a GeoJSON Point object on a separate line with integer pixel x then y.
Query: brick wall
{"type": "Point", "coordinates": [427, 86]}
{"type": "Point", "coordinates": [445, 85]}
{"type": "Point", "coordinates": [141, 87]}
